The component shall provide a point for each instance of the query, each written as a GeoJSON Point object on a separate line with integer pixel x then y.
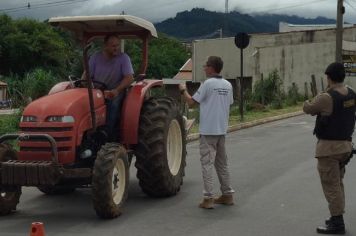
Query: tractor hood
{"type": "Point", "coordinates": [72, 102]}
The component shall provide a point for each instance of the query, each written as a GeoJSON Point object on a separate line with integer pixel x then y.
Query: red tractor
{"type": "Point", "coordinates": [63, 144]}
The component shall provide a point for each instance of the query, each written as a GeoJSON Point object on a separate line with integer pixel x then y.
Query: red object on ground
{"type": "Point", "coordinates": [37, 229]}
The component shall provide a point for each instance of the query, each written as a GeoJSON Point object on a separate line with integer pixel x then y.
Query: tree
{"type": "Point", "coordinates": [26, 44]}
{"type": "Point", "coordinates": [165, 56]}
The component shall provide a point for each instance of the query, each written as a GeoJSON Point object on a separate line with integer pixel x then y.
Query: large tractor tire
{"type": "Point", "coordinates": [9, 198]}
{"type": "Point", "coordinates": [56, 190]}
{"type": "Point", "coordinates": [110, 180]}
{"type": "Point", "coordinates": [161, 151]}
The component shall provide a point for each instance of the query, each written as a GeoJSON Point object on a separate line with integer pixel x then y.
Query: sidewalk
{"type": "Point", "coordinates": [8, 111]}
{"type": "Point", "coordinates": [195, 136]}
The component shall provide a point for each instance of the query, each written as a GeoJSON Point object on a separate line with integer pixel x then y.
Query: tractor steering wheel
{"type": "Point", "coordinates": [82, 83]}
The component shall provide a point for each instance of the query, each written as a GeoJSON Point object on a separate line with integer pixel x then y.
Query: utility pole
{"type": "Point", "coordinates": [220, 32]}
{"type": "Point", "coordinates": [339, 30]}
{"type": "Point", "coordinates": [225, 17]}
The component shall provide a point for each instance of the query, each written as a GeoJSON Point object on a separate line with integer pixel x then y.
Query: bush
{"type": "Point", "coordinates": [34, 85]}
{"type": "Point", "coordinates": [38, 83]}
{"type": "Point", "coordinates": [293, 96]}
{"type": "Point", "coordinates": [9, 123]}
{"type": "Point", "coordinates": [269, 91]}
{"type": "Point", "coordinates": [15, 89]}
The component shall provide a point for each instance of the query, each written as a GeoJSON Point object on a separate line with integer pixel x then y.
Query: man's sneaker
{"type": "Point", "coordinates": [225, 199]}
{"type": "Point", "coordinates": [207, 203]}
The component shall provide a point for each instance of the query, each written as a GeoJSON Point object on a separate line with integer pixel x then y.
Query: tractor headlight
{"type": "Point", "coordinates": [28, 119]}
{"type": "Point", "coordinates": [64, 119]}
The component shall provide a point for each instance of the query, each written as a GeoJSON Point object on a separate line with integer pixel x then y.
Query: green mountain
{"type": "Point", "coordinates": [200, 23]}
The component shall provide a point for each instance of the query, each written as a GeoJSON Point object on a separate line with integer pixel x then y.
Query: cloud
{"type": "Point", "coordinates": [158, 10]}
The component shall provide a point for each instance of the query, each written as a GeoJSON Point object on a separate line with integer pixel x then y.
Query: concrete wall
{"type": "Point", "coordinates": [296, 56]}
{"type": "Point", "coordinates": [286, 27]}
{"type": "Point", "coordinates": [295, 63]}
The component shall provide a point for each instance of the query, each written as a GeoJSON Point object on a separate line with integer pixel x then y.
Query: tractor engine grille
{"type": "Point", "coordinates": [40, 149]}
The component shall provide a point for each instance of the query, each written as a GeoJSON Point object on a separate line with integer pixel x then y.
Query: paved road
{"type": "Point", "coordinates": [278, 193]}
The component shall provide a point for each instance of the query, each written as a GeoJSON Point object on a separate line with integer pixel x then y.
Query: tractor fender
{"type": "Point", "coordinates": [60, 87]}
{"type": "Point", "coordinates": [131, 110]}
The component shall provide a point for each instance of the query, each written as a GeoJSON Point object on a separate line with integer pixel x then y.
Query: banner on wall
{"type": "Point", "coordinates": [349, 64]}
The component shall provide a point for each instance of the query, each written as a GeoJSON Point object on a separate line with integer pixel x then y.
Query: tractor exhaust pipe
{"type": "Point", "coordinates": [90, 86]}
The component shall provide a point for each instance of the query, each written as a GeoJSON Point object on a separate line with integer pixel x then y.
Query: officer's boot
{"type": "Point", "coordinates": [335, 225]}
{"type": "Point", "coordinates": [327, 221]}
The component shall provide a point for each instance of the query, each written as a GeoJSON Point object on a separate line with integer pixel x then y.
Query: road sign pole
{"type": "Point", "coordinates": [242, 40]}
{"type": "Point", "coordinates": [241, 85]}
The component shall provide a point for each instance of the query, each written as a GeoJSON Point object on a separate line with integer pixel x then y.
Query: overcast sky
{"type": "Point", "coordinates": [158, 10]}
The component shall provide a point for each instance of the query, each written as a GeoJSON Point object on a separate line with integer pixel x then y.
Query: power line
{"type": "Point", "coordinates": [42, 4]}
{"type": "Point", "coordinates": [350, 5]}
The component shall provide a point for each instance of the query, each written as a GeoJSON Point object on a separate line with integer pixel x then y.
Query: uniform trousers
{"type": "Point", "coordinates": [331, 177]}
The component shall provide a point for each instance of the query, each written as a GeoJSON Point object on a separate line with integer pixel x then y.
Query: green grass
{"type": "Point", "coordinates": [250, 115]}
{"type": "Point", "coordinates": [9, 123]}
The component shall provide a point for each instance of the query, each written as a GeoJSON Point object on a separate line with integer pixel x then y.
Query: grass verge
{"type": "Point", "coordinates": [253, 115]}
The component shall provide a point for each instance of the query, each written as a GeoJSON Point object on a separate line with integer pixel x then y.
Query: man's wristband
{"type": "Point", "coordinates": [182, 91]}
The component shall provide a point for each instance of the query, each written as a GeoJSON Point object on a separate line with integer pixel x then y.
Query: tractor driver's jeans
{"type": "Point", "coordinates": [212, 153]}
{"type": "Point", "coordinates": [113, 111]}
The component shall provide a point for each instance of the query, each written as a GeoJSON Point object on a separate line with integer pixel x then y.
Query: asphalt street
{"type": "Point", "coordinates": [273, 172]}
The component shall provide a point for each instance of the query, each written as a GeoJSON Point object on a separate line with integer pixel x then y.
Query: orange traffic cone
{"type": "Point", "coordinates": [37, 229]}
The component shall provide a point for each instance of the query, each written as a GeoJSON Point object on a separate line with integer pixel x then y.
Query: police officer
{"type": "Point", "coordinates": [335, 110]}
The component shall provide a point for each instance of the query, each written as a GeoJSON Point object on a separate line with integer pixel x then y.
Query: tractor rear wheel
{"type": "Point", "coordinates": [110, 180]}
{"type": "Point", "coordinates": [161, 152]}
{"type": "Point", "coordinates": [9, 198]}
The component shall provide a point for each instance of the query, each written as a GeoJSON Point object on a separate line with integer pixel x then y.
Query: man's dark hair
{"type": "Point", "coordinates": [216, 63]}
{"type": "Point", "coordinates": [336, 72]}
{"type": "Point", "coordinates": [109, 36]}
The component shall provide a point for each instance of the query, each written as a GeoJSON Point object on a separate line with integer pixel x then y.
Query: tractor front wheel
{"type": "Point", "coordinates": [9, 197]}
{"type": "Point", "coordinates": [110, 180]}
{"type": "Point", "coordinates": [161, 152]}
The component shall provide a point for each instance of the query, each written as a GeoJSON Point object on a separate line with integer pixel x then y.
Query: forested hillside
{"type": "Point", "coordinates": [200, 23]}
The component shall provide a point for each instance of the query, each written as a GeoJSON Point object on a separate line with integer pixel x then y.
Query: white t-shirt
{"type": "Point", "coordinates": [215, 97]}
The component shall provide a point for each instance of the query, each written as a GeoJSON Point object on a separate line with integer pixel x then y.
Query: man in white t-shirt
{"type": "Point", "coordinates": [214, 97]}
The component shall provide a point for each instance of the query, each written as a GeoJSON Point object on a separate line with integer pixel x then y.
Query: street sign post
{"type": "Point", "coordinates": [242, 40]}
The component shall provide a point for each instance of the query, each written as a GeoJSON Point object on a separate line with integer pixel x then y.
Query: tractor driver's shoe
{"type": "Point", "coordinates": [207, 203]}
{"type": "Point", "coordinates": [225, 199]}
{"type": "Point", "coordinates": [335, 225]}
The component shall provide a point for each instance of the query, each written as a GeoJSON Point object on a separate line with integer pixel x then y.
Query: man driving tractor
{"type": "Point", "coordinates": [113, 68]}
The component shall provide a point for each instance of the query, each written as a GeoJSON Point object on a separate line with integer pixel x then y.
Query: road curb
{"type": "Point", "coordinates": [195, 136]}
